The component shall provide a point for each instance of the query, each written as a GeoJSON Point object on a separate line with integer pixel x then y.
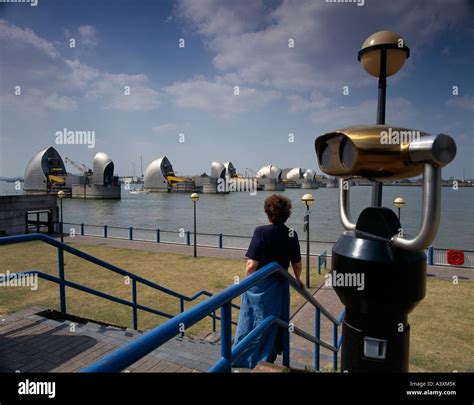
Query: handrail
{"type": "Point", "coordinates": [262, 328]}
{"type": "Point", "coordinates": [89, 290]}
{"type": "Point", "coordinates": [141, 346]}
{"type": "Point", "coordinates": [6, 240]}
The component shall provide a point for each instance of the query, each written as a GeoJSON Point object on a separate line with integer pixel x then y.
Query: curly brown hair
{"type": "Point", "coordinates": [277, 208]}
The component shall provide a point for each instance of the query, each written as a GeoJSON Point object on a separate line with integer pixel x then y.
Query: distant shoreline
{"type": "Point", "coordinates": [461, 183]}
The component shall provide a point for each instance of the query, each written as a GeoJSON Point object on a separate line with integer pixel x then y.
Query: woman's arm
{"type": "Point", "coordinates": [251, 266]}
{"type": "Point", "coordinates": [297, 269]}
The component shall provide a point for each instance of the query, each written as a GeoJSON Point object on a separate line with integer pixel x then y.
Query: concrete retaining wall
{"type": "Point", "coordinates": [13, 209]}
{"type": "Point", "coordinates": [96, 191]}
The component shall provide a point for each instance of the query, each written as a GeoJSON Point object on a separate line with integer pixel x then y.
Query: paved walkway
{"type": "Point", "coordinates": [228, 253]}
{"type": "Point", "coordinates": [33, 342]}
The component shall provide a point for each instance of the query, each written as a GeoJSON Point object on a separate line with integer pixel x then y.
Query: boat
{"type": "Point", "coordinates": [138, 191]}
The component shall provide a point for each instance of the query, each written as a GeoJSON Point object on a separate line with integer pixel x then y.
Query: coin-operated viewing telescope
{"type": "Point", "coordinates": [391, 264]}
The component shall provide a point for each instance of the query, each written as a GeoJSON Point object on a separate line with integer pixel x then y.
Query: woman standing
{"type": "Point", "coordinates": [270, 243]}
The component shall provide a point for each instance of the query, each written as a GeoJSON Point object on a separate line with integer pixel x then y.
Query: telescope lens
{"type": "Point", "coordinates": [347, 153]}
{"type": "Point", "coordinates": [326, 156]}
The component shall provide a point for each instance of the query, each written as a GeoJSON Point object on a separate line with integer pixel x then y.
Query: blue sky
{"type": "Point", "coordinates": [227, 43]}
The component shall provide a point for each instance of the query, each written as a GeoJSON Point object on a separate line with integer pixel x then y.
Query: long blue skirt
{"type": "Point", "coordinates": [258, 303]}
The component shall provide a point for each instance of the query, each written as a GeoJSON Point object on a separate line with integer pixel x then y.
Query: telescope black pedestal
{"type": "Point", "coordinates": [376, 333]}
{"type": "Point", "coordinates": [390, 350]}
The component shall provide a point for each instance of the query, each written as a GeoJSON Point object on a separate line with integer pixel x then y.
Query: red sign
{"type": "Point", "coordinates": [456, 257]}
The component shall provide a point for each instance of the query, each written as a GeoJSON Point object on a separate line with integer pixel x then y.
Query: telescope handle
{"type": "Point", "coordinates": [344, 205]}
{"type": "Point", "coordinates": [430, 215]}
{"type": "Point", "coordinates": [430, 212]}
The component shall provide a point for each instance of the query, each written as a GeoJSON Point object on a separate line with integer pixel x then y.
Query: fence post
{"type": "Point", "coordinates": [62, 287]}
{"type": "Point", "coordinates": [221, 241]}
{"type": "Point", "coordinates": [188, 238]}
{"type": "Point", "coordinates": [317, 335]}
{"type": "Point", "coordinates": [286, 319]}
{"type": "Point", "coordinates": [105, 231]}
{"type": "Point", "coordinates": [319, 264]}
{"type": "Point", "coordinates": [430, 255]}
{"type": "Point", "coordinates": [82, 229]}
{"type": "Point", "coordinates": [130, 233]}
{"type": "Point", "coordinates": [134, 298]}
{"type": "Point", "coordinates": [181, 310]}
{"type": "Point", "coordinates": [226, 335]}
{"type": "Point", "coordinates": [157, 236]}
{"type": "Point", "coordinates": [334, 342]}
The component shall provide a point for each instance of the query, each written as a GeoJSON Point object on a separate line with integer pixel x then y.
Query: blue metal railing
{"type": "Point", "coordinates": [141, 346]}
{"type": "Point", "coordinates": [322, 261]}
{"type": "Point", "coordinates": [154, 235]}
{"type": "Point", "coordinates": [436, 256]}
{"type": "Point", "coordinates": [63, 283]}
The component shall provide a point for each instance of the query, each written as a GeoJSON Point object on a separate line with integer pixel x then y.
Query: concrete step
{"type": "Point", "coordinates": [264, 367]}
{"type": "Point", "coordinates": [41, 340]}
{"type": "Point", "coordinates": [30, 341]}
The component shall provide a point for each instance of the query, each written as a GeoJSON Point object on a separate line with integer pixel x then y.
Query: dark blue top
{"type": "Point", "coordinates": [274, 243]}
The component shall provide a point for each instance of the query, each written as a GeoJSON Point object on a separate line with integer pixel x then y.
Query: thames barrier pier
{"type": "Point", "coordinates": [46, 174]}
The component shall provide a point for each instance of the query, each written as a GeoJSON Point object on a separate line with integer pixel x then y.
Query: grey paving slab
{"type": "Point", "coordinates": [30, 342]}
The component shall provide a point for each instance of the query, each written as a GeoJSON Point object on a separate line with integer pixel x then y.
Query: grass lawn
{"type": "Point", "coordinates": [442, 325]}
{"type": "Point", "coordinates": [183, 274]}
{"type": "Point", "coordinates": [442, 328]}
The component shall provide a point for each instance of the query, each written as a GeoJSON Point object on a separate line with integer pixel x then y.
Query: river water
{"type": "Point", "coordinates": [239, 213]}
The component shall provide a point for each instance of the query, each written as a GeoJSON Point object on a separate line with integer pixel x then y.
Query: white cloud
{"type": "Point", "coordinates": [14, 36]}
{"type": "Point", "coordinates": [465, 102]}
{"type": "Point", "coordinates": [112, 90]}
{"type": "Point", "coordinates": [250, 39]}
{"type": "Point", "coordinates": [228, 18]}
{"type": "Point", "coordinates": [218, 96]}
{"type": "Point", "coordinates": [330, 115]}
{"type": "Point", "coordinates": [51, 78]}
{"type": "Point", "coordinates": [165, 128]}
{"type": "Point", "coordinates": [37, 102]}
{"type": "Point", "coordinates": [80, 75]}
{"type": "Point", "coordinates": [56, 102]}
{"type": "Point", "coordinates": [301, 104]}
{"type": "Point", "coordinates": [88, 35]}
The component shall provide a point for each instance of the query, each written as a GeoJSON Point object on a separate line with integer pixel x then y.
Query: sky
{"type": "Point", "coordinates": [128, 79]}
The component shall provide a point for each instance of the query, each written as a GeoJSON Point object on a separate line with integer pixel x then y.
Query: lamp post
{"type": "Point", "coordinates": [195, 198]}
{"type": "Point", "coordinates": [308, 200]}
{"type": "Point", "coordinates": [382, 55]}
{"type": "Point", "coordinates": [399, 202]}
{"type": "Point", "coordinates": [61, 196]}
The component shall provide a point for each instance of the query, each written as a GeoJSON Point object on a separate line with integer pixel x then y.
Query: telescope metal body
{"type": "Point", "coordinates": [375, 331]}
{"type": "Point", "coordinates": [361, 151]}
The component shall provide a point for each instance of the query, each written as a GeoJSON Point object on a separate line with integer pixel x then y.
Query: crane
{"type": "Point", "coordinates": [249, 171]}
{"type": "Point", "coordinates": [82, 167]}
